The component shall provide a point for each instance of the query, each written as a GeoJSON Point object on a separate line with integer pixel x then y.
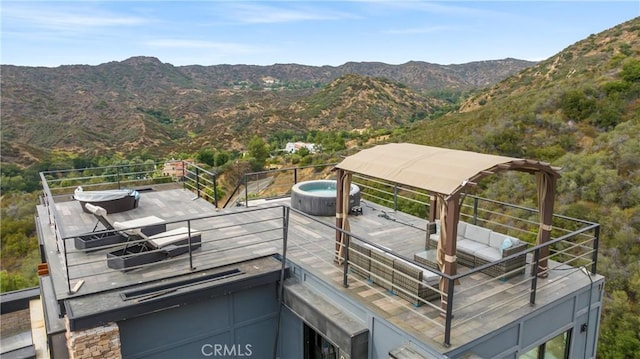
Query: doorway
{"type": "Point", "coordinates": [316, 346]}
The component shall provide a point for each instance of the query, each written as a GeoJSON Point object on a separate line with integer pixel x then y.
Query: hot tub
{"type": "Point", "coordinates": [318, 198]}
{"type": "Point", "coordinates": [113, 201]}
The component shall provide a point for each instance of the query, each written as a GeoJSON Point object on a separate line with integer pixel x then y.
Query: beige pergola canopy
{"type": "Point", "coordinates": [437, 170]}
{"type": "Point", "coordinates": [446, 173]}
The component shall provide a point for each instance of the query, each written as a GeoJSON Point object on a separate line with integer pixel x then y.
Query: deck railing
{"type": "Point", "coordinates": [203, 182]}
{"type": "Point", "coordinates": [573, 246]}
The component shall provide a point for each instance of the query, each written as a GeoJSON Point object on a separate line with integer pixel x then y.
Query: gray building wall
{"type": "Point", "coordinates": [568, 313]}
{"type": "Point", "coordinates": [243, 324]}
{"type": "Point", "coordinates": [237, 325]}
{"type": "Point", "coordinates": [511, 341]}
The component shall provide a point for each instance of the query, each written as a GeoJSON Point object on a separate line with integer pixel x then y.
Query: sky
{"type": "Point", "coordinates": [53, 33]}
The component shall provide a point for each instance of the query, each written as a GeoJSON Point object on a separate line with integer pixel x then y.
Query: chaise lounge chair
{"type": "Point", "coordinates": [117, 232]}
{"type": "Point", "coordinates": [147, 239]}
{"type": "Point", "coordinates": [154, 248]}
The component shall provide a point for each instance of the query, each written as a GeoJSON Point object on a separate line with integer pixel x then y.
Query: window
{"type": "Point", "coordinates": [556, 348]}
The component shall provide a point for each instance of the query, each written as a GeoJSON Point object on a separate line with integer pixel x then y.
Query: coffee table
{"type": "Point", "coordinates": [428, 258]}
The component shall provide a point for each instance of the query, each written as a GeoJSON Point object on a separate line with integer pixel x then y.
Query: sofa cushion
{"type": "Point", "coordinates": [436, 237]}
{"type": "Point", "coordinates": [430, 278]}
{"type": "Point", "coordinates": [171, 237]}
{"type": "Point", "coordinates": [478, 234]}
{"type": "Point", "coordinates": [470, 247]}
{"type": "Point", "coordinates": [496, 239]}
{"type": "Point", "coordinates": [489, 254]}
{"type": "Point", "coordinates": [462, 227]}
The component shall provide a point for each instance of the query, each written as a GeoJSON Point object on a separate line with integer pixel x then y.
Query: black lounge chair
{"type": "Point", "coordinates": [117, 232]}
{"type": "Point", "coordinates": [155, 248]}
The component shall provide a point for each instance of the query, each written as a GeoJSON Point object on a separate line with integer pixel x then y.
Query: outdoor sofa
{"type": "Point", "coordinates": [393, 273]}
{"type": "Point", "coordinates": [477, 246]}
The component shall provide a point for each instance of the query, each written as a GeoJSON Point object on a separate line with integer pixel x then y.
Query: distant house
{"type": "Point", "coordinates": [174, 168]}
{"type": "Point", "coordinates": [293, 147]}
{"type": "Point", "coordinates": [268, 80]}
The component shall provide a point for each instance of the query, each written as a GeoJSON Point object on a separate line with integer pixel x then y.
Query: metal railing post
{"type": "Point", "coordinates": [449, 313]}
{"type": "Point", "coordinates": [189, 243]}
{"type": "Point", "coordinates": [534, 273]}
{"type": "Point", "coordinates": [295, 175]}
{"type": "Point", "coordinates": [118, 176]}
{"type": "Point", "coordinates": [246, 190]}
{"type": "Point", "coordinates": [215, 190]}
{"type": "Point", "coordinates": [395, 197]}
{"type": "Point", "coordinates": [345, 261]}
{"type": "Point", "coordinates": [286, 213]}
{"type": "Point", "coordinates": [475, 210]}
{"type": "Point", "coordinates": [66, 265]}
{"type": "Point", "coordinates": [285, 230]}
{"type": "Point", "coordinates": [594, 255]}
{"type": "Point", "coordinates": [197, 182]}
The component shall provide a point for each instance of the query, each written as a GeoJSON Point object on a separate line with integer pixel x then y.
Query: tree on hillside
{"type": "Point", "coordinates": [259, 151]}
{"type": "Point", "coordinates": [206, 155]}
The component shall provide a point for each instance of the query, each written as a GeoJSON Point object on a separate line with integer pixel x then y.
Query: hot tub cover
{"type": "Point", "coordinates": [101, 196]}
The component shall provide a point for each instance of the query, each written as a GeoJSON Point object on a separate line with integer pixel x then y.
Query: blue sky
{"type": "Point", "coordinates": [53, 33]}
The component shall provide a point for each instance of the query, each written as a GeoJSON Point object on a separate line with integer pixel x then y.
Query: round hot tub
{"type": "Point", "coordinates": [318, 198]}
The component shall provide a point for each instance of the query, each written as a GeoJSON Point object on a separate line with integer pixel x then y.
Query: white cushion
{"type": "Point", "coordinates": [469, 246]}
{"type": "Point", "coordinates": [96, 210]}
{"type": "Point", "coordinates": [496, 239]}
{"type": "Point", "coordinates": [430, 278]}
{"type": "Point", "coordinates": [478, 234]}
{"type": "Point", "coordinates": [461, 228]}
{"type": "Point", "coordinates": [489, 254]}
{"type": "Point", "coordinates": [138, 222]}
{"type": "Point", "coordinates": [170, 237]}
{"type": "Point", "coordinates": [437, 226]}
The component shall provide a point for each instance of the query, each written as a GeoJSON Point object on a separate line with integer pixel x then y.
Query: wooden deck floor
{"type": "Point", "coordinates": [481, 304]}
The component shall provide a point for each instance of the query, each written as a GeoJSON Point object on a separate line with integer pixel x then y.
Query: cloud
{"type": "Point", "coordinates": [261, 14]}
{"type": "Point", "coordinates": [64, 19]}
{"type": "Point", "coordinates": [440, 8]}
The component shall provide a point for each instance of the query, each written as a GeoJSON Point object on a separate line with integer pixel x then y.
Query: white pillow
{"type": "Point", "coordinates": [506, 243]}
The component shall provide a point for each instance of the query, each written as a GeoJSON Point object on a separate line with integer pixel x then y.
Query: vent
{"type": "Point", "coordinates": [160, 290]}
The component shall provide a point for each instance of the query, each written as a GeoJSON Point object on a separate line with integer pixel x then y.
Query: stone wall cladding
{"type": "Point", "coordinates": [15, 322]}
{"type": "Point", "coordinates": [99, 342]}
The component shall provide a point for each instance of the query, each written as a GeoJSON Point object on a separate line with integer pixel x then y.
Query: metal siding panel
{"type": "Point", "coordinates": [551, 321]}
{"type": "Point", "coordinates": [183, 331]}
{"type": "Point", "coordinates": [291, 335]}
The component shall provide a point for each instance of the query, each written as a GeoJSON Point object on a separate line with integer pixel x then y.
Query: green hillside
{"type": "Point", "coordinates": [579, 110]}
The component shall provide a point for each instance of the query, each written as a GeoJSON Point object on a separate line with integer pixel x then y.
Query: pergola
{"type": "Point", "coordinates": [446, 174]}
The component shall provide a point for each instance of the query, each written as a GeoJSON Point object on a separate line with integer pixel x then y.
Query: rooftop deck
{"type": "Point", "coordinates": [480, 304]}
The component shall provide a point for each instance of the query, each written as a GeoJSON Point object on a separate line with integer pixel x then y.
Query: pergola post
{"type": "Point", "coordinates": [546, 198]}
{"type": "Point", "coordinates": [448, 235]}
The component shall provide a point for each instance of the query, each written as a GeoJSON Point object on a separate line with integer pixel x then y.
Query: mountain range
{"type": "Point", "coordinates": [142, 103]}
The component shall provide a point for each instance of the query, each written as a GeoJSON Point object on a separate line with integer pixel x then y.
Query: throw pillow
{"type": "Point", "coordinates": [506, 243]}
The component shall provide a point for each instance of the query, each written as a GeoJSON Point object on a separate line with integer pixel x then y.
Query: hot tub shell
{"type": "Point", "coordinates": [304, 198]}
{"type": "Point", "coordinates": [113, 201]}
